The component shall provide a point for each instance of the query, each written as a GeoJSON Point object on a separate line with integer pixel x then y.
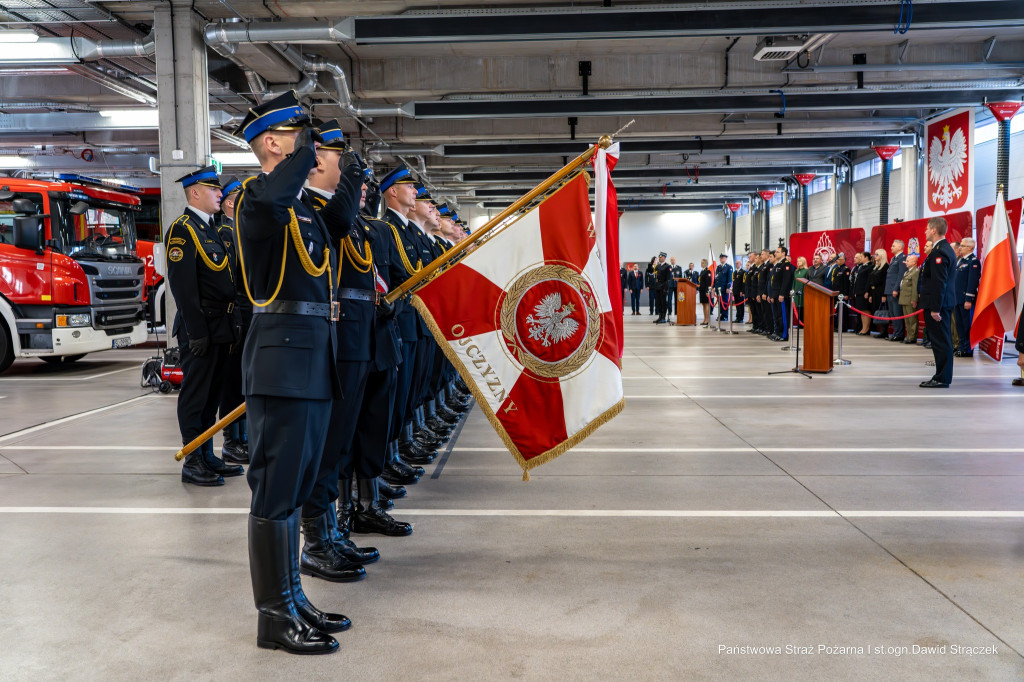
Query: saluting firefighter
{"type": "Point", "coordinates": [723, 285]}
{"type": "Point", "coordinates": [199, 274]}
{"type": "Point", "coordinates": [371, 442]}
{"type": "Point", "coordinates": [290, 372]}
{"type": "Point", "coordinates": [323, 554]}
{"type": "Point", "coordinates": [399, 192]}
{"type": "Point", "coordinates": [236, 442]}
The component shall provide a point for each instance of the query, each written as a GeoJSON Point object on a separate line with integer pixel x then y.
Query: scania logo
{"type": "Point", "coordinates": [119, 269]}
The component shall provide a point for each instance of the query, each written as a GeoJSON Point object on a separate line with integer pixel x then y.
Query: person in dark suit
{"type": "Point", "coordinates": [891, 295]}
{"type": "Point", "coordinates": [968, 277]}
{"type": "Point", "coordinates": [764, 274]}
{"type": "Point", "coordinates": [938, 297]}
{"type": "Point", "coordinates": [649, 282]}
{"type": "Point", "coordinates": [635, 285]}
{"type": "Point", "coordinates": [662, 282]}
{"type": "Point", "coordinates": [877, 274]}
{"type": "Point", "coordinates": [837, 278]}
{"type": "Point", "coordinates": [704, 284]}
{"type": "Point", "coordinates": [201, 279]}
{"type": "Point", "coordinates": [817, 272]}
{"type": "Point", "coordinates": [623, 274]}
{"type": "Point", "coordinates": [691, 274]}
{"type": "Point", "coordinates": [673, 290]}
{"type": "Point", "coordinates": [750, 291]}
{"type": "Point", "coordinates": [739, 277]}
{"type": "Point", "coordinates": [289, 364]}
{"type": "Point", "coordinates": [780, 289]}
{"type": "Point", "coordinates": [1019, 347]}
{"type": "Point", "coordinates": [859, 289]}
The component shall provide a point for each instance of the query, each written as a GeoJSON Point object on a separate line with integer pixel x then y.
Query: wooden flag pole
{"type": "Point", "coordinates": [428, 270]}
{"type": "Point", "coordinates": [208, 433]}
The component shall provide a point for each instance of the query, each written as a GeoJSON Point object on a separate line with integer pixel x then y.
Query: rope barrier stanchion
{"type": "Point", "coordinates": [842, 323]}
{"type": "Point", "coordinates": [732, 304]}
{"type": "Point", "coordinates": [792, 321]}
{"type": "Point", "coordinates": [796, 331]}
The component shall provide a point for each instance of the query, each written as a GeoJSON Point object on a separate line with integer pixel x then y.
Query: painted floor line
{"type": "Point", "coordinates": [830, 376]}
{"type": "Point", "coordinates": [594, 513]}
{"type": "Point", "coordinates": [121, 448]}
{"type": "Point", "coordinates": [469, 448]}
{"type": "Point", "coordinates": [135, 366]}
{"type": "Point", "coordinates": [64, 420]}
{"type": "Point", "coordinates": [832, 396]}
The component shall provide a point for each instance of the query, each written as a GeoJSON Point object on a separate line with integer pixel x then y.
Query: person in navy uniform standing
{"type": "Point", "coordinates": [780, 288]}
{"type": "Point", "coordinates": [968, 277]}
{"type": "Point", "coordinates": [723, 285]}
{"type": "Point", "coordinates": [323, 555]}
{"type": "Point", "coordinates": [199, 274]}
{"type": "Point", "coordinates": [635, 283]}
{"type": "Point", "coordinates": [289, 364]}
{"type": "Point", "coordinates": [938, 297]}
{"type": "Point", "coordinates": [236, 444]}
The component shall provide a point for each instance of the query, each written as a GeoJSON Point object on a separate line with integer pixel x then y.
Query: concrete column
{"type": "Point", "coordinates": [908, 183]}
{"type": "Point", "coordinates": [183, 100]}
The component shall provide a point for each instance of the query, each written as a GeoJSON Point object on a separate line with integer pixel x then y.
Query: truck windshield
{"type": "Point", "coordinates": [104, 230]}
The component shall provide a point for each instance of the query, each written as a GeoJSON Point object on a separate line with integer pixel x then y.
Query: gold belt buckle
{"type": "Point", "coordinates": [231, 307]}
{"type": "Point", "coordinates": [376, 297]}
{"type": "Point", "coordinates": [335, 311]}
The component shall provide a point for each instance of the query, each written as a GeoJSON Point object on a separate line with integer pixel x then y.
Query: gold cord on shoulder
{"type": "Point", "coordinates": [202, 253]}
{"type": "Point", "coordinates": [401, 252]}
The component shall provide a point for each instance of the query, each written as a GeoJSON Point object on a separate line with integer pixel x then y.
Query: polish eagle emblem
{"type": "Point", "coordinates": [550, 322]}
{"type": "Point", "coordinates": [947, 160]}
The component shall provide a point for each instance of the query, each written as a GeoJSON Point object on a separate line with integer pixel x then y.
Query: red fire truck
{"type": "Point", "coordinates": [147, 223]}
{"type": "Point", "coordinates": [71, 282]}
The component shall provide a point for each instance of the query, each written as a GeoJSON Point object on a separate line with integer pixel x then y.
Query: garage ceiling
{"type": "Point", "coordinates": [509, 77]}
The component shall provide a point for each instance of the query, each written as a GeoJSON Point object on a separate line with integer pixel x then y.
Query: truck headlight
{"type": "Point", "coordinates": [76, 320]}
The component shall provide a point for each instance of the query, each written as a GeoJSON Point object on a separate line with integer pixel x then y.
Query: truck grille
{"type": "Point", "coordinates": [116, 299]}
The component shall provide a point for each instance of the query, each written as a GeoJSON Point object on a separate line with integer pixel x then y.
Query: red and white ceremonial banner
{"type": "Point", "coordinates": [993, 345]}
{"type": "Point", "coordinates": [606, 227]}
{"type": "Point", "coordinates": [949, 143]}
{"type": "Point", "coordinates": [827, 244]}
{"type": "Point", "coordinates": [528, 322]}
{"type": "Point", "coordinates": [996, 303]}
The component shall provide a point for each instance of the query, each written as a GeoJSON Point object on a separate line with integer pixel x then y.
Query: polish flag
{"type": "Point", "coordinates": [996, 303]}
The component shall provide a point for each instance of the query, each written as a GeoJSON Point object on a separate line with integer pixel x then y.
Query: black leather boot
{"type": "Point", "coordinates": [217, 465]}
{"type": "Point", "coordinates": [400, 464]}
{"type": "Point", "coordinates": [279, 625]}
{"type": "Point", "coordinates": [196, 472]}
{"type": "Point", "coordinates": [433, 414]}
{"type": "Point", "coordinates": [370, 518]}
{"type": "Point", "coordinates": [321, 620]}
{"type": "Point", "coordinates": [340, 535]}
{"type": "Point", "coordinates": [392, 492]}
{"type": "Point", "coordinates": [444, 413]}
{"type": "Point", "coordinates": [233, 451]}
{"type": "Point", "coordinates": [319, 558]}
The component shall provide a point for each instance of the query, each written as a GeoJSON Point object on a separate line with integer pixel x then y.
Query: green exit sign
{"type": "Point", "coordinates": [217, 164]}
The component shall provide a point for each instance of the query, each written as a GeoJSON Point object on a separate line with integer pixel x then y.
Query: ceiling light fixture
{"type": "Point", "coordinates": [18, 36]}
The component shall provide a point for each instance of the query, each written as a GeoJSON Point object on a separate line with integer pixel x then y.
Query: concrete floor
{"type": "Point", "coordinates": [723, 508]}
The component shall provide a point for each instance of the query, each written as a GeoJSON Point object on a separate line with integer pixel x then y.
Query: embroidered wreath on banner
{"type": "Point", "coordinates": [550, 320]}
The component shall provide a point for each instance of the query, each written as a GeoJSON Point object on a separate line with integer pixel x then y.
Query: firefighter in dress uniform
{"type": "Point", "coordinates": [199, 274]}
{"type": "Point", "coordinates": [236, 443]}
{"type": "Point", "coordinates": [289, 364]}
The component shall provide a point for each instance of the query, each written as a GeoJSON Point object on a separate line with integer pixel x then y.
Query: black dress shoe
{"type": "Point", "coordinates": [217, 465]}
{"type": "Point", "coordinates": [320, 559]}
{"type": "Point", "coordinates": [375, 520]}
{"type": "Point", "coordinates": [393, 492]}
{"type": "Point", "coordinates": [340, 535]}
{"type": "Point", "coordinates": [932, 383]}
{"type": "Point", "coordinates": [927, 344]}
{"type": "Point", "coordinates": [897, 339]}
{"type": "Point", "coordinates": [420, 460]}
{"type": "Point", "coordinates": [413, 450]}
{"type": "Point", "coordinates": [194, 471]}
{"type": "Point", "coordinates": [396, 477]}
{"type": "Point", "coordinates": [967, 354]}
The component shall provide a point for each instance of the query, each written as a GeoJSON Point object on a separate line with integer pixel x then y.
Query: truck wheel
{"type": "Point", "coordinates": [62, 359]}
{"type": "Point", "coordinates": [6, 347]}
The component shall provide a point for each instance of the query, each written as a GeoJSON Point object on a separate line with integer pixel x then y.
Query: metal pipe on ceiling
{"type": "Point", "coordinates": [291, 32]}
{"type": "Point", "coordinates": [945, 67]}
{"type": "Point", "coordinates": [337, 73]}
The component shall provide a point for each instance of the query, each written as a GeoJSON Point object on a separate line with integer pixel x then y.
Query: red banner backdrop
{"type": "Point", "coordinates": [984, 222]}
{"type": "Point", "coordinates": [993, 345]}
{"type": "Point", "coordinates": [912, 232]}
{"type": "Point", "coordinates": [827, 243]}
{"type": "Point", "coordinates": [950, 168]}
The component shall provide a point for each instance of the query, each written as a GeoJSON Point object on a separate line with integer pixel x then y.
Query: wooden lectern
{"type": "Point", "coordinates": [686, 302]}
{"type": "Point", "coordinates": [819, 311]}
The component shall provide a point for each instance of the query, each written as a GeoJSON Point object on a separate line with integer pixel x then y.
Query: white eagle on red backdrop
{"type": "Point", "coordinates": [947, 161]}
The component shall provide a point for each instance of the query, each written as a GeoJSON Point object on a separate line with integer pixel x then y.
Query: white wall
{"type": "Point", "coordinates": [865, 201]}
{"type": "Point", "coordinates": [820, 208]}
{"type": "Point", "coordinates": [685, 235]}
{"type": "Point", "coordinates": [985, 171]}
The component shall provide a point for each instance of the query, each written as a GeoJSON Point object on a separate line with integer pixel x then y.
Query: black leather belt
{"type": "Point", "coordinates": [295, 308]}
{"type": "Point", "coordinates": [357, 294]}
{"type": "Point", "coordinates": [217, 306]}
